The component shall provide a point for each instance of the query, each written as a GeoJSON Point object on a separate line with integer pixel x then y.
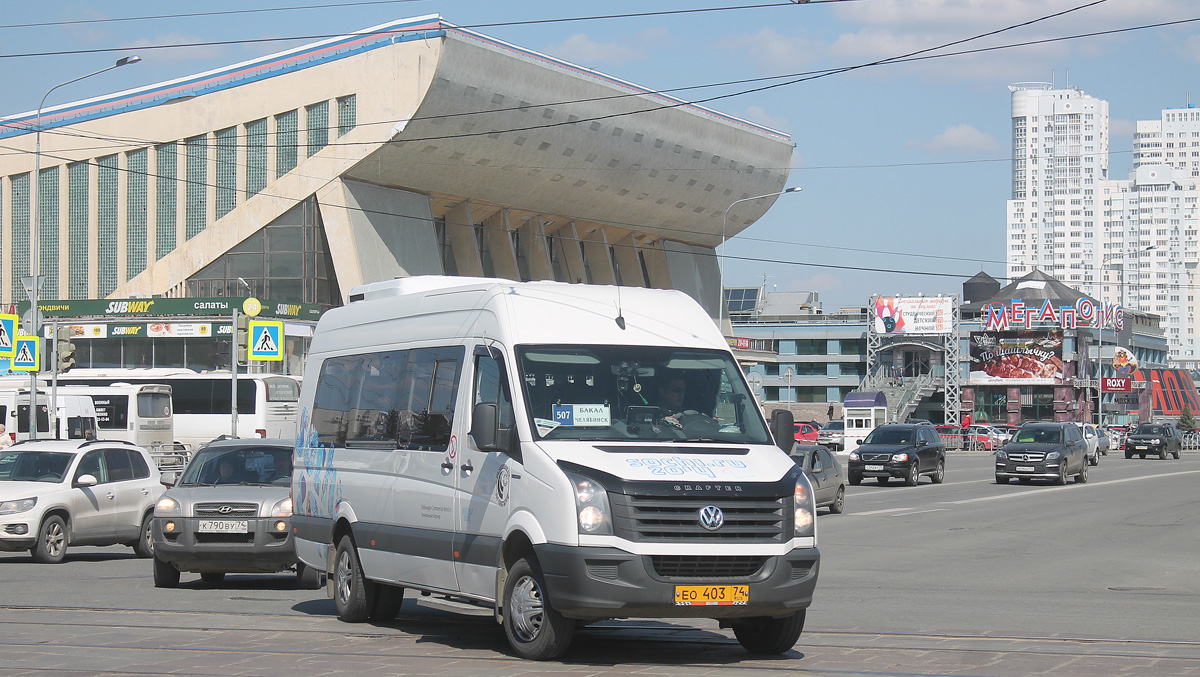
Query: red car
{"type": "Point", "coordinates": [806, 432]}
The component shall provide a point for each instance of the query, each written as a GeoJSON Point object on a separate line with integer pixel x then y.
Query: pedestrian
{"type": "Point", "coordinates": [5, 439]}
{"type": "Point", "coordinates": [829, 414]}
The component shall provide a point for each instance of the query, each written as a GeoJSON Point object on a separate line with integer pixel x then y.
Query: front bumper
{"type": "Point", "coordinates": [597, 583]}
{"type": "Point", "coordinates": [1041, 470]}
{"type": "Point", "coordinates": [1136, 447]}
{"type": "Point", "coordinates": [263, 549]}
{"type": "Point", "coordinates": [897, 469]}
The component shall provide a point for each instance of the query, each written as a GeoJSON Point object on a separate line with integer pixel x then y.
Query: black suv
{"type": "Point", "coordinates": [1048, 451]}
{"type": "Point", "coordinates": [1160, 439]}
{"type": "Point", "coordinates": [901, 450]}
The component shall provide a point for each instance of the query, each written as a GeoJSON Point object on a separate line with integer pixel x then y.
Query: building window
{"type": "Point", "coordinates": [347, 114]}
{"type": "Point", "coordinates": [18, 196]}
{"type": "Point", "coordinates": [317, 116]}
{"type": "Point", "coordinates": [256, 156]}
{"type": "Point", "coordinates": [227, 140]}
{"type": "Point", "coordinates": [166, 161]}
{"type": "Point", "coordinates": [195, 215]}
{"type": "Point", "coordinates": [78, 174]}
{"type": "Point", "coordinates": [135, 213]}
{"type": "Point", "coordinates": [106, 248]}
{"type": "Point", "coordinates": [285, 143]}
{"type": "Point", "coordinates": [48, 242]}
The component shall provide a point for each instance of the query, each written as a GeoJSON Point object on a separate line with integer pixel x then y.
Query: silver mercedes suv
{"type": "Point", "coordinates": [229, 512]}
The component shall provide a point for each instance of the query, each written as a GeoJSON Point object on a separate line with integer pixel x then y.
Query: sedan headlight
{"type": "Point", "coordinates": [591, 505]}
{"type": "Point", "coordinates": [805, 519]}
{"type": "Point", "coordinates": [899, 458]}
{"type": "Point", "coordinates": [19, 505]}
{"type": "Point", "coordinates": [167, 507]}
{"type": "Point", "coordinates": [1053, 456]}
{"type": "Point", "coordinates": [282, 508]}
{"type": "Point", "coordinates": [854, 456]}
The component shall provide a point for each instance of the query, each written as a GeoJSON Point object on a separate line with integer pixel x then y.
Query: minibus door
{"type": "Point", "coordinates": [485, 479]}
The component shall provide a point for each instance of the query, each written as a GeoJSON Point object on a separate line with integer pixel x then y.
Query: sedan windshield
{"type": "Point", "coordinates": [638, 393]}
{"type": "Point", "coordinates": [1039, 436]}
{"type": "Point", "coordinates": [239, 465]}
{"type": "Point", "coordinates": [34, 466]}
{"type": "Point", "coordinates": [889, 436]}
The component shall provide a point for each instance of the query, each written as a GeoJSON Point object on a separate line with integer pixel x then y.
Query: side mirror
{"type": "Point", "coordinates": [859, 442]}
{"type": "Point", "coordinates": [167, 479]}
{"type": "Point", "coordinates": [86, 481]}
{"type": "Point", "coordinates": [487, 433]}
{"type": "Point", "coordinates": [783, 426]}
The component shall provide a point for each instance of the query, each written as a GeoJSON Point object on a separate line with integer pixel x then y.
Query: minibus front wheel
{"type": "Point", "coordinates": [534, 629]}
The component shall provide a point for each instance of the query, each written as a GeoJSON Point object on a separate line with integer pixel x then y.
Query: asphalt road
{"type": "Point", "coordinates": [963, 578]}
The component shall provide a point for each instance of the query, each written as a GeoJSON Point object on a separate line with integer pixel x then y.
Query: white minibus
{"type": "Point", "coordinates": [75, 414]}
{"type": "Point", "coordinates": [266, 403]}
{"type": "Point", "coordinates": [561, 453]}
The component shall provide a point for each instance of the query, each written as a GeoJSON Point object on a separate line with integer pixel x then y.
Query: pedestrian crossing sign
{"type": "Point", "coordinates": [26, 355]}
{"type": "Point", "coordinates": [266, 340]}
{"type": "Point", "coordinates": [8, 335]}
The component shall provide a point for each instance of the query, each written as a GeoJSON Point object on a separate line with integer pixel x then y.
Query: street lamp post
{"type": "Point", "coordinates": [35, 233]}
{"type": "Point", "coordinates": [721, 258]}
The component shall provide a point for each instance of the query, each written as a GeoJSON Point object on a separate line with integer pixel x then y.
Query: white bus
{"type": "Point", "coordinates": [136, 413]}
{"type": "Point", "coordinates": [266, 403]}
{"type": "Point", "coordinates": [75, 414]}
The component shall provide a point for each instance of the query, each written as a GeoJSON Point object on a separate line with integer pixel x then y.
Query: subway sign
{"type": "Point", "coordinates": [160, 307]}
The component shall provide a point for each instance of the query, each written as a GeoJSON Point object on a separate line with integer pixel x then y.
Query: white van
{"type": "Point", "coordinates": [563, 453]}
{"type": "Point", "coordinates": [76, 415]}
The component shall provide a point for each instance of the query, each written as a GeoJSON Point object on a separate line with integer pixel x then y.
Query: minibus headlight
{"type": "Point", "coordinates": [19, 505]}
{"type": "Point", "coordinates": [167, 507]}
{"type": "Point", "coordinates": [805, 518]}
{"type": "Point", "coordinates": [591, 505]}
{"type": "Point", "coordinates": [281, 508]}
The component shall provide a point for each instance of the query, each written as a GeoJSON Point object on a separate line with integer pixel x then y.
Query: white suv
{"type": "Point", "coordinates": [58, 493]}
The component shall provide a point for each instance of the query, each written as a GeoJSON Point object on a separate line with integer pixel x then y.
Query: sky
{"type": "Point", "coordinates": [904, 164]}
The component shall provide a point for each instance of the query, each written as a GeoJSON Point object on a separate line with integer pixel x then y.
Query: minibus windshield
{"type": "Point", "coordinates": [638, 393]}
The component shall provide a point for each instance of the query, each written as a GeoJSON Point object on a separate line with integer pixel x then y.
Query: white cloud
{"type": "Point", "coordinates": [771, 52]}
{"type": "Point", "coordinates": [583, 50]}
{"type": "Point", "coordinates": [962, 139]}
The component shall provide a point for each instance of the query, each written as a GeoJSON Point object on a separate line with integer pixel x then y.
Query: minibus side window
{"type": "Point", "coordinates": [337, 394]}
{"type": "Point", "coordinates": [491, 385]}
{"type": "Point", "coordinates": [374, 415]}
{"type": "Point", "coordinates": [434, 378]}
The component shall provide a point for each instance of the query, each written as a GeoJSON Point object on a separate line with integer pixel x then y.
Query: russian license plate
{"type": "Point", "coordinates": [1024, 468]}
{"type": "Point", "coordinates": [223, 527]}
{"type": "Point", "coordinates": [711, 595]}
{"type": "Point", "coordinates": [1140, 446]}
{"type": "Point", "coordinates": [873, 467]}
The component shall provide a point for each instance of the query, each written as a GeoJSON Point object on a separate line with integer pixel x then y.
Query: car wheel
{"type": "Point", "coordinates": [839, 502]}
{"type": "Point", "coordinates": [1176, 454]}
{"type": "Point", "coordinates": [882, 480]}
{"type": "Point", "coordinates": [353, 594]}
{"type": "Point", "coordinates": [1129, 454]}
{"type": "Point", "coordinates": [1082, 477]}
{"type": "Point", "coordinates": [307, 578]}
{"type": "Point", "coordinates": [914, 475]}
{"type": "Point", "coordinates": [1094, 460]}
{"type": "Point", "coordinates": [765, 635]}
{"type": "Point", "coordinates": [534, 629]}
{"type": "Point", "coordinates": [388, 599]}
{"type": "Point", "coordinates": [165, 574]}
{"type": "Point", "coordinates": [939, 473]}
{"type": "Point", "coordinates": [1062, 472]}
{"type": "Point", "coordinates": [1162, 454]}
{"type": "Point", "coordinates": [855, 480]}
{"type": "Point", "coordinates": [51, 545]}
{"type": "Point", "coordinates": [212, 577]}
{"type": "Point", "coordinates": [144, 546]}
{"type": "Point", "coordinates": [1002, 480]}
{"type": "Point", "coordinates": [1141, 456]}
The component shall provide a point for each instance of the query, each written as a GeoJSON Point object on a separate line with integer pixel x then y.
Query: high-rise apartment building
{"type": "Point", "coordinates": [1060, 154]}
{"type": "Point", "coordinates": [1173, 139]}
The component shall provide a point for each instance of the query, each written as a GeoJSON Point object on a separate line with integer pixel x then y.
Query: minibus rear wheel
{"type": "Point", "coordinates": [353, 594]}
{"type": "Point", "coordinates": [534, 629]}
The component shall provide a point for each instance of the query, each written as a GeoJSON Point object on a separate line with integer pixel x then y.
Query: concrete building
{"type": "Point", "coordinates": [416, 147]}
{"type": "Point", "coordinates": [1060, 154]}
{"type": "Point", "coordinates": [1173, 139]}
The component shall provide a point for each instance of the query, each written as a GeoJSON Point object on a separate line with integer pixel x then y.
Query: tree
{"type": "Point", "coordinates": [1187, 420]}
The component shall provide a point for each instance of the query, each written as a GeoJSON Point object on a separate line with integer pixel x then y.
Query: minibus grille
{"type": "Point", "coordinates": [706, 566]}
{"type": "Point", "coordinates": [677, 519]}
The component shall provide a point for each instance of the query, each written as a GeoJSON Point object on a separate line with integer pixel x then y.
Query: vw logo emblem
{"type": "Point", "coordinates": [225, 510]}
{"type": "Point", "coordinates": [711, 517]}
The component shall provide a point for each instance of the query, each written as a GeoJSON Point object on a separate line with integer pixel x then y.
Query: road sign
{"type": "Point", "coordinates": [266, 340]}
{"type": "Point", "coordinates": [26, 357]}
{"type": "Point", "coordinates": [8, 335]}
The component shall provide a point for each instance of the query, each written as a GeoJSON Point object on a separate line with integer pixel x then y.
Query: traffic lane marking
{"type": "Point", "coordinates": [1043, 490]}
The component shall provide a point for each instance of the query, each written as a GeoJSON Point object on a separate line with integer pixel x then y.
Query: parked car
{"type": "Point", "coordinates": [229, 512]}
{"type": "Point", "coordinates": [832, 435]}
{"type": "Point", "coordinates": [1092, 437]}
{"type": "Point", "coordinates": [1044, 450]}
{"type": "Point", "coordinates": [807, 433]}
{"type": "Point", "coordinates": [981, 438]}
{"type": "Point", "coordinates": [56, 494]}
{"type": "Point", "coordinates": [952, 436]}
{"type": "Point", "coordinates": [901, 450]}
{"type": "Point", "coordinates": [1163, 439]}
{"type": "Point", "coordinates": [1104, 441]}
{"type": "Point", "coordinates": [1005, 432]}
{"type": "Point", "coordinates": [825, 473]}
{"type": "Point", "coordinates": [1118, 433]}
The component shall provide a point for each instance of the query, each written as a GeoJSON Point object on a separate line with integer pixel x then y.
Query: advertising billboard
{"type": "Point", "coordinates": [1016, 358]}
{"type": "Point", "coordinates": [914, 315]}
